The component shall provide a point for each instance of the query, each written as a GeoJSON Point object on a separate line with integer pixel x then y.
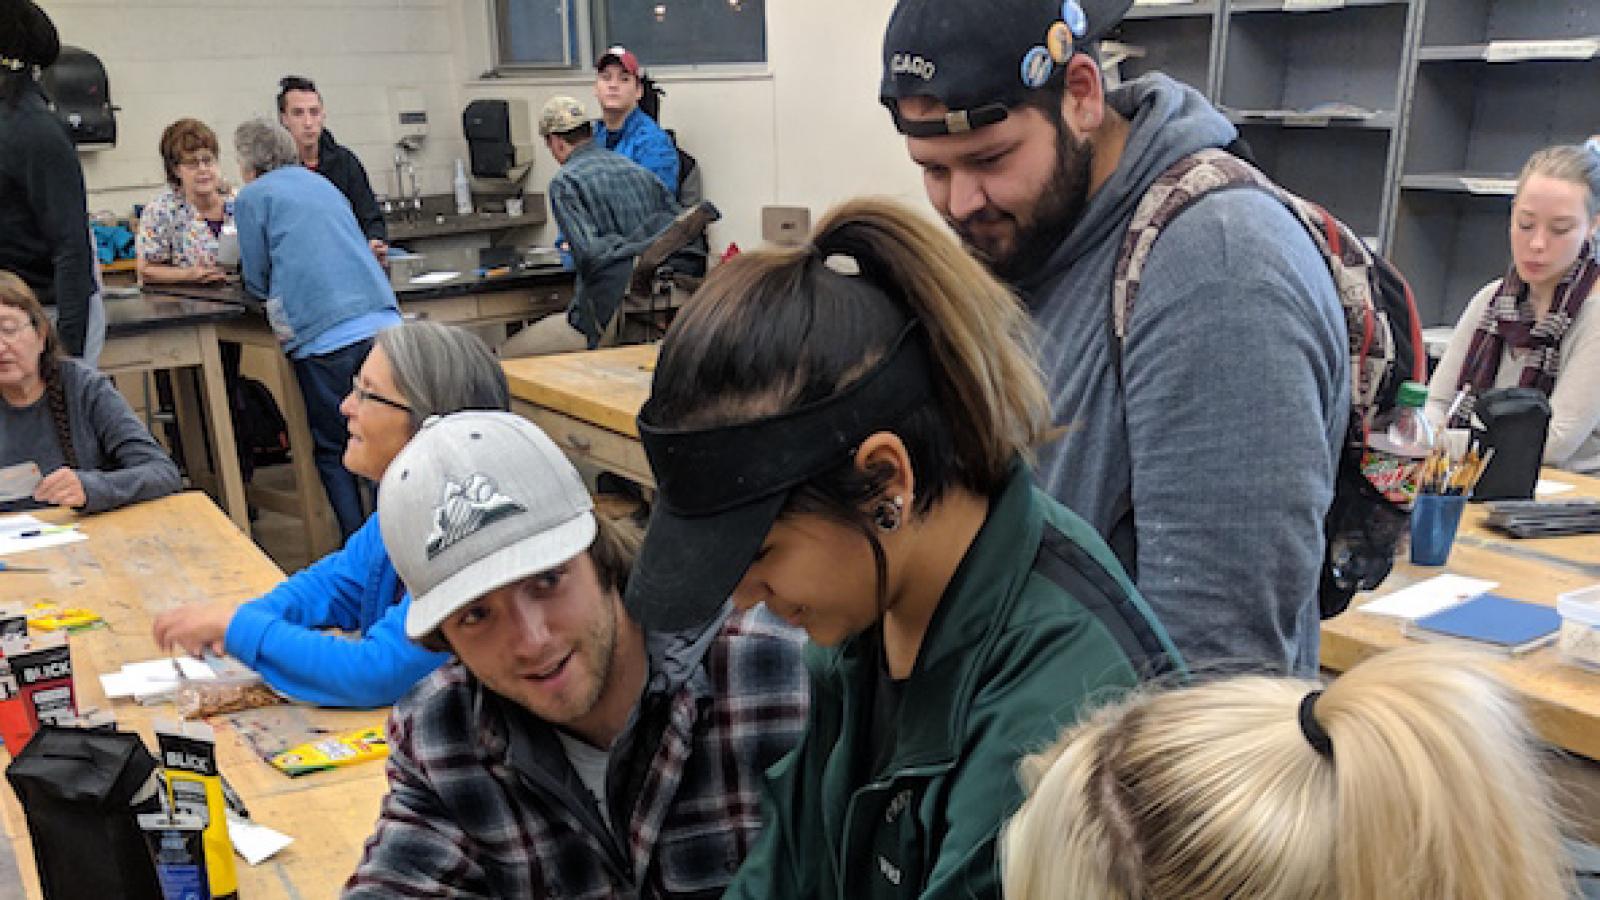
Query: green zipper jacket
{"type": "Point", "coordinates": [1038, 621]}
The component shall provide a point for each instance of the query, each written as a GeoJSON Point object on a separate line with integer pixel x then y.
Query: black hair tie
{"type": "Point", "coordinates": [1311, 728]}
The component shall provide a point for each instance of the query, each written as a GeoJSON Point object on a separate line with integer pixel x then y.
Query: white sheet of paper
{"type": "Point", "coordinates": [119, 685]}
{"type": "Point", "coordinates": [256, 843]}
{"type": "Point", "coordinates": [11, 543]}
{"type": "Point", "coordinates": [436, 277]}
{"type": "Point", "coordinates": [10, 525]}
{"type": "Point", "coordinates": [160, 670]}
{"type": "Point", "coordinates": [1427, 597]}
{"type": "Point", "coordinates": [1548, 488]}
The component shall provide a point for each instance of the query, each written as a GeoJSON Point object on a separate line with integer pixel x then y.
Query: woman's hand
{"type": "Point", "coordinates": [61, 488]}
{"type": "Point", "coordinates": [203, 274]}
{"type": "Point", "coordinates": [193, 629]}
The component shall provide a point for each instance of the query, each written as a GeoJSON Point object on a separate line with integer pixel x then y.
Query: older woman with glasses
{"type": "Point", "coordinates": [414, 371]}
{"type": "Point", "coordinates": [91, 452]}
{"type": "Point", "coordinates": [180, 230]}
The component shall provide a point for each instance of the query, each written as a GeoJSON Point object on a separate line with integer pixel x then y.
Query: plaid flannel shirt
{"type": "Point", "coordinates": [477, 808]}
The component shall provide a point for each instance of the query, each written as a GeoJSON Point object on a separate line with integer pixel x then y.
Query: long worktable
{"type": "Point", "coordinates": [147, 558]}
{"type": "Point", "coordinates": [587, 402]}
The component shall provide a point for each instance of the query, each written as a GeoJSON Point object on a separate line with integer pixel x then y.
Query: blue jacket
{"type": "Point", "coordinates": [300, 247]}
{"type": "Point", "coordinates": [355, 589]}
{"type": "Point", "coordinates": [643, 141]}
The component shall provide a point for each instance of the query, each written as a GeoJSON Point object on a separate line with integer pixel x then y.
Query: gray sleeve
{"type": "Point", "coordinates": [1237, 395]}
{"type": "Point", "coordinates": [132, 466]}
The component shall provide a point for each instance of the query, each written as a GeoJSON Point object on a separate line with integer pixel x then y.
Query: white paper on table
{"type": "Point", "coordinates": [256, 843]}
{"type": "Point", "coordinates": [1548, 487]}
{"type": "Point", "coordinates": [119, 685]}
{"type": "Point", "coordinates": [1428, 597]}
{"type": "Point", "coordinates": [435, 277]}
{"type": "Point", "coordinates": [161, 669]}
{"type": "Point", "coordinates": [13, 544]}
{"type": "Point", "coordinates": [10, 525]}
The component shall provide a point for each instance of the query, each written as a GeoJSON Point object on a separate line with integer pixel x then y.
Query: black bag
{"type": "Point", "coordinates": [261, 429]}
{"type": "Point", "coordinates": [1516, 421]}
{"type": "Point", "coordinates": [1362, 528]}
{"type": "Point", "coordinates": [81, 792]}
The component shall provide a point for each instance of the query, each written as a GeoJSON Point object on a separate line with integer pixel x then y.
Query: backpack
{"type": "Point", "coordinates": [260, 427]}
{"type": "Point", "coordinates": [1362, 527]}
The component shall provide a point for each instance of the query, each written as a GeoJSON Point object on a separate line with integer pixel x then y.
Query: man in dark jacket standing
{"type": "Point", "coordinates": [300, 110]}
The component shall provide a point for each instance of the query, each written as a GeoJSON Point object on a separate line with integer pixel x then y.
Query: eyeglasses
{"type": "Point", "coordinates": [363, 395]}
{"type": "Point", "coordinates": [10, 331]}
{"type": "Point", "coordinates": [196, 162]}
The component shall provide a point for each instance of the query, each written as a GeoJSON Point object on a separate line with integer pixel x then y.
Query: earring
{"type": "Point", "coordinates": [888, 514]}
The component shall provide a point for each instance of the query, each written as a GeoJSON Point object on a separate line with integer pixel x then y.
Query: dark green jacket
{"type": "Point", "coordinates": [1038, 621]}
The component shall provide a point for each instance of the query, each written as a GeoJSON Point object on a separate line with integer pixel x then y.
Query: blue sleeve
{"type": "Point", "coordinates": [655, 152]}
{"type": "Point", "coordinates": [278, 634]}
{"type": "Point", "coordinates": [1237, 393]}
{"type": "Point", "coordinates": [255, 264]}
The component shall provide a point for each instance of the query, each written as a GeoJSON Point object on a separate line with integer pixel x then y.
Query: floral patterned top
{"type": "Point", "coordinates": [173, 233]}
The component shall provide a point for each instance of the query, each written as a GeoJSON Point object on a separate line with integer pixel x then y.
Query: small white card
{"type": "Point", "coordinates": [1428, 597]}
{"type": "Point", "coordinates": [255, 843]}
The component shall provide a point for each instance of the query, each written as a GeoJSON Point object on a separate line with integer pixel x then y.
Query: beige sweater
{"type": "Point", "coordinates": [1574, 438]}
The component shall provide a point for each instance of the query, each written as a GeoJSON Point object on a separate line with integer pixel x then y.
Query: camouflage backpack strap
{"type": "Point", "coordinates": [1184, 182]}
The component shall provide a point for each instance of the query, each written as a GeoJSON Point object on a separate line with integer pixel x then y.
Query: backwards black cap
{"type": "Point", "coordinates": [27, 37]}
{"type": "Point", "coordinates": [981, 59]}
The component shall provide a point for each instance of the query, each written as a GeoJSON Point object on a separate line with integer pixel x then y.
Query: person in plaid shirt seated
{"type": "Point", "coordinates": [570, 749]}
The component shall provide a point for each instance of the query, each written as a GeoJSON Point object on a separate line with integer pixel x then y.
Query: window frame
{"type": "Point", "coordinates": [581, 59]}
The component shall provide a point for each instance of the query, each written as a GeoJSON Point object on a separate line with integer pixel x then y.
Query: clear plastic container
{"type": "Point", "coordinates": [1579, 641]}
{"type": "Point", "coordinates": [1398, 444]}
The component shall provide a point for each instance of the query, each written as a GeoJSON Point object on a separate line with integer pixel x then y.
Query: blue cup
{"type": "Point", "coordinates": [1434, 518]}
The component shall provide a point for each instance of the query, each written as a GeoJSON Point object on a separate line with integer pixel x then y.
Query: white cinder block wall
{"type": "Point", "coordinates": [220, 61]}
{"type": "Point", "coordinates": [806, 129]}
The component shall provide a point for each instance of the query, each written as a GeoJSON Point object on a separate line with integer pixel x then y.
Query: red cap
{"type": "Point", "coordinates": [623, 57]}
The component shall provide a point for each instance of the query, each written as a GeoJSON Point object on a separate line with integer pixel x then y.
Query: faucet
{"type": "Point", "coordinates": [409, 204]}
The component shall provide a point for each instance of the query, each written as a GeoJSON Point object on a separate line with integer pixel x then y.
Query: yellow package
{"type": "Point", "coordinates": [46, 616]}
{"type": "Point", "coordinates": [333, 752]}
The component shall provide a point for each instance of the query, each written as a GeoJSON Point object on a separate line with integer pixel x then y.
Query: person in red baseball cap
{"type": "Point", "coordinates": [619, 86]}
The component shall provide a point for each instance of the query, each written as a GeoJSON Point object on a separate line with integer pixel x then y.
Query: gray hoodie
{"type": "Point", "coordinates": [1223, 434]}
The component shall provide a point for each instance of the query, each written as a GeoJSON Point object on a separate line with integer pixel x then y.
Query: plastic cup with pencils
{"type": "Point", "coordinates": [1443, 488]}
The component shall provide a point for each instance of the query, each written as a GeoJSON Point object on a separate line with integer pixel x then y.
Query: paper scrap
{"type": "Point", "coordinates": [48, 536]}
{"type": "Point", "coordinates": [255, 843]}
{"type": "Point", "coordinates": [1549, 488]}
{"type": "Point", "coordinates": [1494, 187]}
{"type": "Point", "coordinates": [1428, 597]}
{"type": "Point", "coordinates": [435, 277]}
{"type": "Point", "coordinates": [1311, 5]}
{"type": "Point", "coordinates": [1516, 51]}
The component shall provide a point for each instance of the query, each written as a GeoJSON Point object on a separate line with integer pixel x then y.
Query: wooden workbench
{"type": "Point", "coordinates": [1564, 701]}
{"type": "Point", "coordinates": [587, 402]}
{"type": "Point", "coordinates": [146, 558]}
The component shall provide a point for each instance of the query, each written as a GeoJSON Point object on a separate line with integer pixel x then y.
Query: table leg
{"type": "Point", "coordinates": [321, 532]}
{"type": "Point", "coordinates": [223, 441]}
{"type": "Point", "coordinates": [186, 409]}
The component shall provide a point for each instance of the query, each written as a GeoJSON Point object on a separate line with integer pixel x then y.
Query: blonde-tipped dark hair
{"type": "Point", "coordinates": [1433, 790]}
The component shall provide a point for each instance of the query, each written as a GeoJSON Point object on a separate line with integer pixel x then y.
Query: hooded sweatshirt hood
{"type": "Point", "coordinates": [1167, 122]}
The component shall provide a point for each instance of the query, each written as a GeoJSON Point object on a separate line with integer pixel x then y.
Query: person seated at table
{"type": "Point", "coordinates": [610, 208]}
{"type": "Point", "coordinates": [415, 370]}
{"type": "Point", "coordinates": [68, 419]}
{"type": "Point", "coordinates": [1413, 776]}
{"type": "Point", "coordinates": [326, 296]}
{"type": "Point", "coordinates": [624, 126]}
{"type": "Point", "coordinates": [180, 229]}
{"type": "Point", "coordinates": [840, 432]}
{"type": "Point", "coordinates": [1539, 325]}
{"type": "Point", "coordinates": [576, 747]}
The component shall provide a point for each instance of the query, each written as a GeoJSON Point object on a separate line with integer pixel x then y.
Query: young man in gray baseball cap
{"type": "Point", "coordinates": [1040, 169]}
{"type": "Point", "coordinates": [571, 749]}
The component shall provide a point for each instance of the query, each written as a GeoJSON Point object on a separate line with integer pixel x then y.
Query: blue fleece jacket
{"type": "Point", "coordinates": [355, 589]}
{"type": "Point", "coordinates": [301, 248]}
{"type": "Point", "coordinates": [1208, 461]}
{"type": "Point", "coordinates": [646, 143]}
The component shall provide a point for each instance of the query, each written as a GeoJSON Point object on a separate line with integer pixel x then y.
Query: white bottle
{"type": "Point", "coordinates": [463, 190]}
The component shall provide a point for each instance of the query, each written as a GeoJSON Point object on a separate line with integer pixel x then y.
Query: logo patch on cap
{"type": "Point", "coordinates": [1072, 14]}
{"type": "Point", "coordinates": [1037, 67]}
{"type": "Point", "coordinates": [1059, 40]}
{"type": "Point", "coordinates": [912, 64]}
{"type": "Point", "coordinates": [465, 509]}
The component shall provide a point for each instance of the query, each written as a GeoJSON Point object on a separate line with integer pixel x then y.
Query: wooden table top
{"type": "Point", "coordinates": [601, 387]}
{"type": "Point", "coordinates": [137, 562]}
{"type": "Point", "coordinates": [1563, 700]}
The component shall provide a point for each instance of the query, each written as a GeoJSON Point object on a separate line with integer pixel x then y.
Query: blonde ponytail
{"type": "Point", "coordinates": [1432, 790]}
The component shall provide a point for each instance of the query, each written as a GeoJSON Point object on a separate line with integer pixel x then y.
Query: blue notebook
{"type": "Point", "coordinates": [1492, 622]}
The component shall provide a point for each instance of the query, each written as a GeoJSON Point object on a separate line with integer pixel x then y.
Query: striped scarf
{"type": "Point", "coordinates": [1509, 321]}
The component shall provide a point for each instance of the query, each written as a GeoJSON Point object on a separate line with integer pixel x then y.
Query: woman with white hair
{"type": "Point", "coordinates": [301, 249]}
{"type": "Point", "coordinates": [415, 370]}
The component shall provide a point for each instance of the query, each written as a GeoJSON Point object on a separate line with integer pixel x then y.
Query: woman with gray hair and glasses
{"type": "Point", "coordinates": [414, 371]}
{"type": "Point", "coordinates": [301, 249]}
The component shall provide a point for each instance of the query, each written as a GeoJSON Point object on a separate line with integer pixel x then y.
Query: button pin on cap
{"type": "Point", "coordinates": [1072, 14]}
{"type": "Point", "coordinates": [1037, 67]}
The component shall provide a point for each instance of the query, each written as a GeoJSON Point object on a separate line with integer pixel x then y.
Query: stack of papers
{"type": "Point", "coordinates": [22, 533]}
{"type": "Point", "coordinates": [1428, 597]}
{"type": "Point", "coordinates": [154, 681]}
